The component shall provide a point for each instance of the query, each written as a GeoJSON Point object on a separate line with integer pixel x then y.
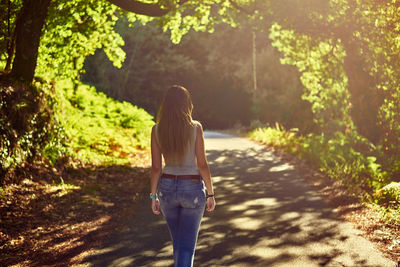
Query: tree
{"type": "Point", "coordinates": [365, 31]}
{"type": "Point", "coordinates": [28, 30]}
{"type": "Point", "coordinates": [184, 14]}
{"type": "Point", "coordinates": [29, 25]}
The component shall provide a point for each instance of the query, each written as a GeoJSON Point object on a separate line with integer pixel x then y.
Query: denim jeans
{"type": "Point", "coordinates": [182, 203]}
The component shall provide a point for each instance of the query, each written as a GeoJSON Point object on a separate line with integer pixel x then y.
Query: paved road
{"type": "Point", "coordinates": [266, 216]}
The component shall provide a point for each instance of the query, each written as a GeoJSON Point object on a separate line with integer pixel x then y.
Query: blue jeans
{"type": "Point", "coordinates": [182, 203]}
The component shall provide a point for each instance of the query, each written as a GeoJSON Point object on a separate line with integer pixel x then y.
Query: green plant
{"type": "Point", "coordinates": [339, 156]}
{"type": "Point", "coordinates": [3, 195]}
{"type": "Point", "coordinates": [278, 137]}
{"type": "Point", "coordinates": [101, 130]}
{"type": "Point", "coordinates": [29, 128]}
{"type": "Point", "coordinates": [389, 194]}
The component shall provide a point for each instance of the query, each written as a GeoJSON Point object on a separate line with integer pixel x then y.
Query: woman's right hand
{"type": "Point", "coordinates": [155, 206]}
{"type": "Point", "coordinates": [211, 204]}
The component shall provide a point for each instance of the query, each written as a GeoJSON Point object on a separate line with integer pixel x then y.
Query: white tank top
{"type": "Point", "coordinates": [189, 166]}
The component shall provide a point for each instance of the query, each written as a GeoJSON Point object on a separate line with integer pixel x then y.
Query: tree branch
{"type": "Point", "coordinates": [151, 10]}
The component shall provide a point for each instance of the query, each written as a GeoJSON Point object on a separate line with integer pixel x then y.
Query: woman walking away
{"type": "Point", "coordinates": [181, 195]}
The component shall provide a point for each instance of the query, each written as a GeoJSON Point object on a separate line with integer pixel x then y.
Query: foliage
{"type": "Point", "coordinates": [321, 65]}
{"type": "Point", "coordinates": [74, 30]}
{"type": "Point", "coordinates": [348, 56]}
{"type": "Point", "coordinates": [389, 194]}
{"type": "Point", "coordinates": [101, 130]}
{"type": "Point", "coordinates": [342, 159]}
{"type": "Point", "coordinates": [349, 160]}
{"type": "Point", "coordinates": [42, 122]}
{"type": "Point", "coordinates": [277, 137]}
{"type": "Point", "coordinates": [7, 26]}
{"type": "Point", "coordinates": [29, 127]}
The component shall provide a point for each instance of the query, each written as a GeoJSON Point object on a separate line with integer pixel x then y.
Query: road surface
{"type": "Point", "coordinates": [266, 215]}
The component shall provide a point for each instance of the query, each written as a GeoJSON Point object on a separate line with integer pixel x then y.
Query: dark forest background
{"type": "Point", "coordinates": [215, 67]}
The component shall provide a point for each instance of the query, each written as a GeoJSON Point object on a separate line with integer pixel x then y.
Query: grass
{"type": "Point", "coordinates": [278, 138]}
{"type": "Point", "coordinates": [101, 130]}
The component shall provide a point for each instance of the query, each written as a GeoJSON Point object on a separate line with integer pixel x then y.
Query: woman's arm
{"type": "Point", "coordinates": [156, 168]}
{"type": "Point", "coordinates": [202, 165]}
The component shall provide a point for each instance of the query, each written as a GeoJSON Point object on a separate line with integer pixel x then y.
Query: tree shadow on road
{"type": "Point", "coordinates": [265, 216]}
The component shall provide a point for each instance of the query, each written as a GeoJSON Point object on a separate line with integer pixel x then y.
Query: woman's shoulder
{"type": "Point", "coordinates": [197, 125]}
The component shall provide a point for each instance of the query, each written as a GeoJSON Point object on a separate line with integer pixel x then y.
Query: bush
{"type": "Point", "coordinates": [278, 137]}
{"type": "Point", "coordinates": [29, 128]}
{"type": "Point", "coordinates": [102, 130]}
{"type": "Point", "coordinates": [338, 156]}
{"type": "Point", "coordinates": [389, 194]}
{"type": "Point", "coordinates": [42, 123]}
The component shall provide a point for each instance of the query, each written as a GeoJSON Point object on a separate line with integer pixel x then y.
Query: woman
{"type": "Point", "coordinates": [181, 194]}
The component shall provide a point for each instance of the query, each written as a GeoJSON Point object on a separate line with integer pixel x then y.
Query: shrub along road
{"type": "Point", "coordinates": [266, 215]}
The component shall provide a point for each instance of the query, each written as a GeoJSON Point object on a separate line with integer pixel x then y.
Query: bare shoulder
{"type": "Point", "coordinates": [198, 125]}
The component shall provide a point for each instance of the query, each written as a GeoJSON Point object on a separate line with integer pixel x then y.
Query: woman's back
{"type": "Point", "coordinates": [189, 164]}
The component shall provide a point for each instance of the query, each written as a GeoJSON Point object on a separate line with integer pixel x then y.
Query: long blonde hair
{"type": "Point", "coordinates": [175, 124]}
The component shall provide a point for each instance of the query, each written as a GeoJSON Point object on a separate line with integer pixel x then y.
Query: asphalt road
{"type": "Point", "coordinates": [265, 216]}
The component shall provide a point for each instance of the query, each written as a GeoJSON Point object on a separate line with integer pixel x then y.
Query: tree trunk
{"type": "Point", "coordinates": [28, 31]}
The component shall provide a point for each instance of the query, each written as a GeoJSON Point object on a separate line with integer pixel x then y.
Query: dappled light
{"type": "Point", "coordinates": [316, 82]}
{"type": "Point", "coordinates": [55, 222]}
{"type": "Point", "coordinates": [263, 217]}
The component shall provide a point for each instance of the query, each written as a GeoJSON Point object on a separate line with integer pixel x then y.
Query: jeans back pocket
{"type": "Point", "coordinates": [192, 199]}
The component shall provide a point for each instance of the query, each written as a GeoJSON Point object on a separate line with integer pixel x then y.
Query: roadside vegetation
{"type": "Point", "coordinates": [350, 174]}
{"type": "Point", "coordinates": [73, 166]}
{"type": "Point", "coordinates": [355, 163]}
{"type": "Point", "coordinates": [66, 122]}
{"type": "Point", "coordinates": [102, 130]}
